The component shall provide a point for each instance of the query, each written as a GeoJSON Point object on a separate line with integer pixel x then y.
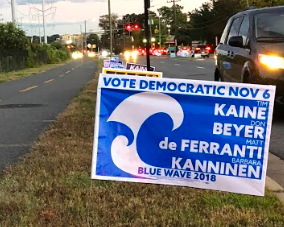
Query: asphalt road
{"type": "Point", "coordinates": [203, 69]}
{"type": "Point", "coordinates": [28, 105]}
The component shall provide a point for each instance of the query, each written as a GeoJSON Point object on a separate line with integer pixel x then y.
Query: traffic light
{"type": "Point", "coordinates": [128, 27]}
{"type": "Point", "coordinates": [136, 27]}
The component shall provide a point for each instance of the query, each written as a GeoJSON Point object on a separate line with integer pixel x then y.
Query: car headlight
{"type": "Point", "coordinates": [134, 54]}
{"type": "Point", "coordinates": [104, 53]}
{"type": "Point", "coordinates": [272, 62]}
{"type": "Point", "coordinates": [127, 54]}
{"type": "Point", "coordinates": [75, 55]}
{"type": "Point", "coordinates": [91, 54]}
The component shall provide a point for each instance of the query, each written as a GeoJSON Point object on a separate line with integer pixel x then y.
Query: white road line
{"type": "Point", "coordinates": [177, 64]}
{"type": "Point", "coordinates": [48, 121]}
{"type": "Point", "coordinates": [61, 76]}
{"type": "Point", "coordinates": [199, 67]}
{"type": "Point", "coordinates": [162, 62]}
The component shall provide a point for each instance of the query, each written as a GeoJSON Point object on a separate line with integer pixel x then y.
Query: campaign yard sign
{"type": "Point", "coordinates": [138, 67]}
{"type": "Point", "coordinates": [113, 64]}
{"type": "Point", "coordinates": [132, 72]}
{"type": "Point", "coordinates": [192, 133]}
{"type": "Point", "coordinates": [115, 59]}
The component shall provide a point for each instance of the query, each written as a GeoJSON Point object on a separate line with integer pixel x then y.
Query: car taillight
{"type": "Point", "coordinates": [208, 48]}
{"type": "Point", "coordinates": [197, 48]}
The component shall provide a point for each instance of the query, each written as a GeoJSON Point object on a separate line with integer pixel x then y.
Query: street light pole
{"type": "Point", "coordinates": [110, 27]}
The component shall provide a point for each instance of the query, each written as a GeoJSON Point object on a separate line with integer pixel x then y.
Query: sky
{"type": "Point", "coordinates": [68, 16]}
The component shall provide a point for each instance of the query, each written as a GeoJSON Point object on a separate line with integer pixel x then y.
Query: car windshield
{"type": "Point", "coordinates": [269, 26]}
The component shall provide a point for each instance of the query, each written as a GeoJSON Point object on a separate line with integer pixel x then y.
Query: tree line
{"type": "Point", "coordinates": [18, 51]}
{"type": "Point", "coordinates": [202, 24]}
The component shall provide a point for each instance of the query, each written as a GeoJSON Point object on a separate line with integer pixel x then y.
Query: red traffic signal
{"type": "Point", "coordinates": [136, 27]}
{"type": "Point", "coordinates": [128, 27]}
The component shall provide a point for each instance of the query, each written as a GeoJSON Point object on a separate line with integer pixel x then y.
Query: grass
{"type": "Point", "coordinates": [15, 75]}
{"type": "Point", "coordinates": [51, 186]}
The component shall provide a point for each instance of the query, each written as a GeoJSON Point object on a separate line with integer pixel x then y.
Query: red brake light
{"type": "Point", "coordinates": [197, 48]}
{"type": "Point", "coordinates": [208, 48]}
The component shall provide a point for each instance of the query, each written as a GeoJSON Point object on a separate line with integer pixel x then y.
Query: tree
{"type": "Point", "coordinates": [12, 37]}
{"type": "Point", "coordinates": [104, 25]}
{"type": "Point", "coordinates": [210, 19]}
{"type": "Point", "coordinates": [93, 39]}
{"type": "Point", "coordinates": [168, 17]}
{"type": "Point", "coordinates": [51, 39]}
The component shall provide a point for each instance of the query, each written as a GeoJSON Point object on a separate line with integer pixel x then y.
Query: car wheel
{"type": "Point", "coordinates": [247, 78]}
{"type": "Point", "coordinates": [217, 76]}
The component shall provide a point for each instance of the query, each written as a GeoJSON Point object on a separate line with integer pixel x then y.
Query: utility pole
{"type": "Point", "coordinates": [82, 38]}
{"type": "Point", "coordinates": [43, 12]}
{"type": "Point", "coordinates": [247, 3]}
{"type": "Point", "coordinates": [147, 32]}
{"type": "Point", "coordinates": [160, 34]}
{"type": "Point", "coordinates": [43, 21]}
{"type": "Point", "coordinates": [110, 28]}
{"type": "Point", "coordinates": [175, 18]}
{"type": "Point", "coordinates": [13, 7]}
{"type": "Point", "coordinates": [123, 24]}
{"type": "Point", "coordinates": [39, 33]}
{"type": "Point", "coordinates": [85, 37]}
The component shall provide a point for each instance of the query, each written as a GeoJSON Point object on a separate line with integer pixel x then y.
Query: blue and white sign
{"type": "Point", "coordinates": [113, 64]}
{"type": "Point", "coordinates": [192, 133]}
{"type": "Point", "coordinates": [138, 67]}
{"type": "Point", "coordinates": [115, 59]}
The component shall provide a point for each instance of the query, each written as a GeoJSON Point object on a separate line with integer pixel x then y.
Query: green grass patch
{"type": "Point", "coordinates": [51, 186]}
{"type": "Point", "coordinates": [15, 75]}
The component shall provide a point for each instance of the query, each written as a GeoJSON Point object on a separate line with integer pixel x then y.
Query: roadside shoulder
{"type": "Point", "coordinates": [275, 176]}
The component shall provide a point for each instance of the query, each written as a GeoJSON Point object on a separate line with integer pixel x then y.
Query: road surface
{"type": "Point", "coordinates": [28, 105]}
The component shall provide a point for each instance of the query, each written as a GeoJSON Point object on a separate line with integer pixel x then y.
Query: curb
{"type": "Point", "coordinates": [274, 187]}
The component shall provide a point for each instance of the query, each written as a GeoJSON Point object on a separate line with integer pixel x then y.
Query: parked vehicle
{"type": "Point", "coordinates": [251, 49]}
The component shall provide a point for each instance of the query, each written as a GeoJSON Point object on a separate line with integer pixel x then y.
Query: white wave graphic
{"type": "Point", "coordinates": [133, 112]}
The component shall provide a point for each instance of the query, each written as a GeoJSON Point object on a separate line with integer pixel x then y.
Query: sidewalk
{"type": "Point", "coordinates": [275, 171]}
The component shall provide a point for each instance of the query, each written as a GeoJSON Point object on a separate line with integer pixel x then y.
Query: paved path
{"type": "Point", "coordinates": [28, 105]}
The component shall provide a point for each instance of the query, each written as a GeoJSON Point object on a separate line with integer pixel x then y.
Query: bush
{"type": "Point", "coordinates": [46, 54]}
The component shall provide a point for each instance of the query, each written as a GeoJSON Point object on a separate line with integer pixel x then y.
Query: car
{"type": "Point", "coordinates": [164, 51]}
{"type": "Point", "coordinates": [251, 49]}
{"type": "Point", "coordinates": [184, 52]}
{"type": "Point", "coordinates": [105, 53]}
{"type": "Point", "coordinates": [172, 49]}
{"type": "Point", "coordinates": [202, 50]}
{"type": "Point", "coordinates": [157, 52]}
{"type": "Point", "coordinates": [152, 50]}
{"type": "Point", "coordinates": [141, 51]}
